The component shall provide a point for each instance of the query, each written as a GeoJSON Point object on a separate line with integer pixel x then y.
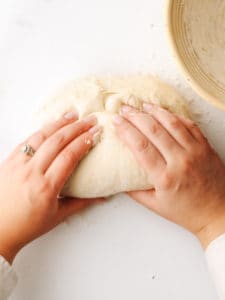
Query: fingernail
{"type": "Point", "coordinates": [117, 120]}
{"type": "Point", "coordinates": [147, 106]}
{"type": "Point", "coordinates": [96, 138]}
{"type": "Point", "coordinates": [127, 109]}
{"type": "Point", "coordinates": [91, 119]}
{"type": "Point", "coordinates": [71, 115]}
{"type": "Point", "coordinates": [96, 133]}
{"type": "Point", "coordinates": [95, 129]}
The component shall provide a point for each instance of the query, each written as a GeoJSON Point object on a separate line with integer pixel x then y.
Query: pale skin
{"type": "Point", "coordinates": [30, 186]}
{"type": "Point", "coordinates": [187, 174]}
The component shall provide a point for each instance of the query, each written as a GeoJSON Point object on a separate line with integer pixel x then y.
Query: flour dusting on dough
{"type": "Point", "coordinates": [110, 167]}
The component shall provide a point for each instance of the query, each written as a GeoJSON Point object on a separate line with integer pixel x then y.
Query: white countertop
{"type": "Point", "coordinates": [119, 250]}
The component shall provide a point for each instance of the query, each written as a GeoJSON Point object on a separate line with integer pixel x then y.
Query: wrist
{"type": "Point", "coordinates": [8, 256]}
{"type": "Point", "coordinates": [211, 231]}
{"type": "Point", "coordinates": [9, 253]}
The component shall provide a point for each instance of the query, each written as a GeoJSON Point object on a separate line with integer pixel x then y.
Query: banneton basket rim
{"type": "Point", "coordinates": [184, 62]}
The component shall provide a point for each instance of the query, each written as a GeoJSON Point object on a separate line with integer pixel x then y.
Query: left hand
{"type": "Point", "coordinates": [30, 186]}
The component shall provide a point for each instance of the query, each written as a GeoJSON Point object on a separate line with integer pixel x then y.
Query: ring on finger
{"type": "Point", "coordinates": [28, 150]}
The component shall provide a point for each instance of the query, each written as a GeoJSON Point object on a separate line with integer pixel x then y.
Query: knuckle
{"type": "Point", "coordinates": [125, 129]}
{"type": "Point", "coordinates": [187, 163]}
{"type": "Point", "coordinates": [174, 123]}
{"type": "Point", "coordinates": [154, 128]}
{"type": "Point", "coordinates": [192, 124]}
{"type": "Point", "coordinates": [142, 145]}
{"type": "Point", "coordinates": [44, 187]}
{"type": "Point", "coordinates": [200, 137]}
{"type": "Point", "coordinates": [80, 130]}
{"type": "Point", "coordinates": [69, 155]}
{"type": "Point", "coordinates": [58, 139]}
{"type": "Point", "coordinates": [202, 152]}
{"type": "Point", "coordinates": [195, 129]}
{"type": "Point", "coordinates": [27, 175]}
{"type": "Point", "coordinates": [167, 181]}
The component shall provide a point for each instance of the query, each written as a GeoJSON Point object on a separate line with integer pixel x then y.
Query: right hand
{"type": "Point", "coordinates": [187, 174]}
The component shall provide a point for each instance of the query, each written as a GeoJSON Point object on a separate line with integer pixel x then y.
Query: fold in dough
{"type": "Point", "coordinates": [110, 167]}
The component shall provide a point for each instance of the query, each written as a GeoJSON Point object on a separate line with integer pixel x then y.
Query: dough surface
{"type": "Point", "coordinates": [110, 167]}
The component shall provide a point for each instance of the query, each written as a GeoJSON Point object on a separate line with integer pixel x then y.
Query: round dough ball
{"type": "Point", "coordinates": [110, 167]}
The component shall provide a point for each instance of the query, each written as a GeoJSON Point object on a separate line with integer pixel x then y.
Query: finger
{"type": "Point", "coordinates": [154, 131]}
{"type": "Point", "coordinates": [146, 198]}
{"type": "Point", "coordinates": [60, 139]}
{"type": "Point", "coordinates": [67, 160]}
{"type": "Point", "coordinates": [36, 139]}
{"type": "Point", "coordinates": [193, 129]}
{"type": "Point", "coordinates": [144, 151]}
{"type": "Point", "coordinates": [70, 206]}
{"type": "Point", "coordinates": [172, 124]}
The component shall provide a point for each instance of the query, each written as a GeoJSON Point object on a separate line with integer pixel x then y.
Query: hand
{"type": "Point", "coordinates": [29, 202]}
{"type": "Point", "coordinates": [187, 174]}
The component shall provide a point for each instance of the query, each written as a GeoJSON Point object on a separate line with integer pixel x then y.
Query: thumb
{"type": "Point", "coordinates": [70, 206]}
{"type": "Point", "coordinates": [146, 198]}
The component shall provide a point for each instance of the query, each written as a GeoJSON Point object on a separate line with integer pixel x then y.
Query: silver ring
{"type": "Point", "coordinates": [28, 150]}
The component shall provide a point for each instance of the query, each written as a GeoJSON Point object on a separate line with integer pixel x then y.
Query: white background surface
{"type": "Point", "coordinates": [118, 250]}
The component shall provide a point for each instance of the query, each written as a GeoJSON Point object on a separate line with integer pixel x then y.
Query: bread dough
{"type": "Point", "coordinates": [110, 167]}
